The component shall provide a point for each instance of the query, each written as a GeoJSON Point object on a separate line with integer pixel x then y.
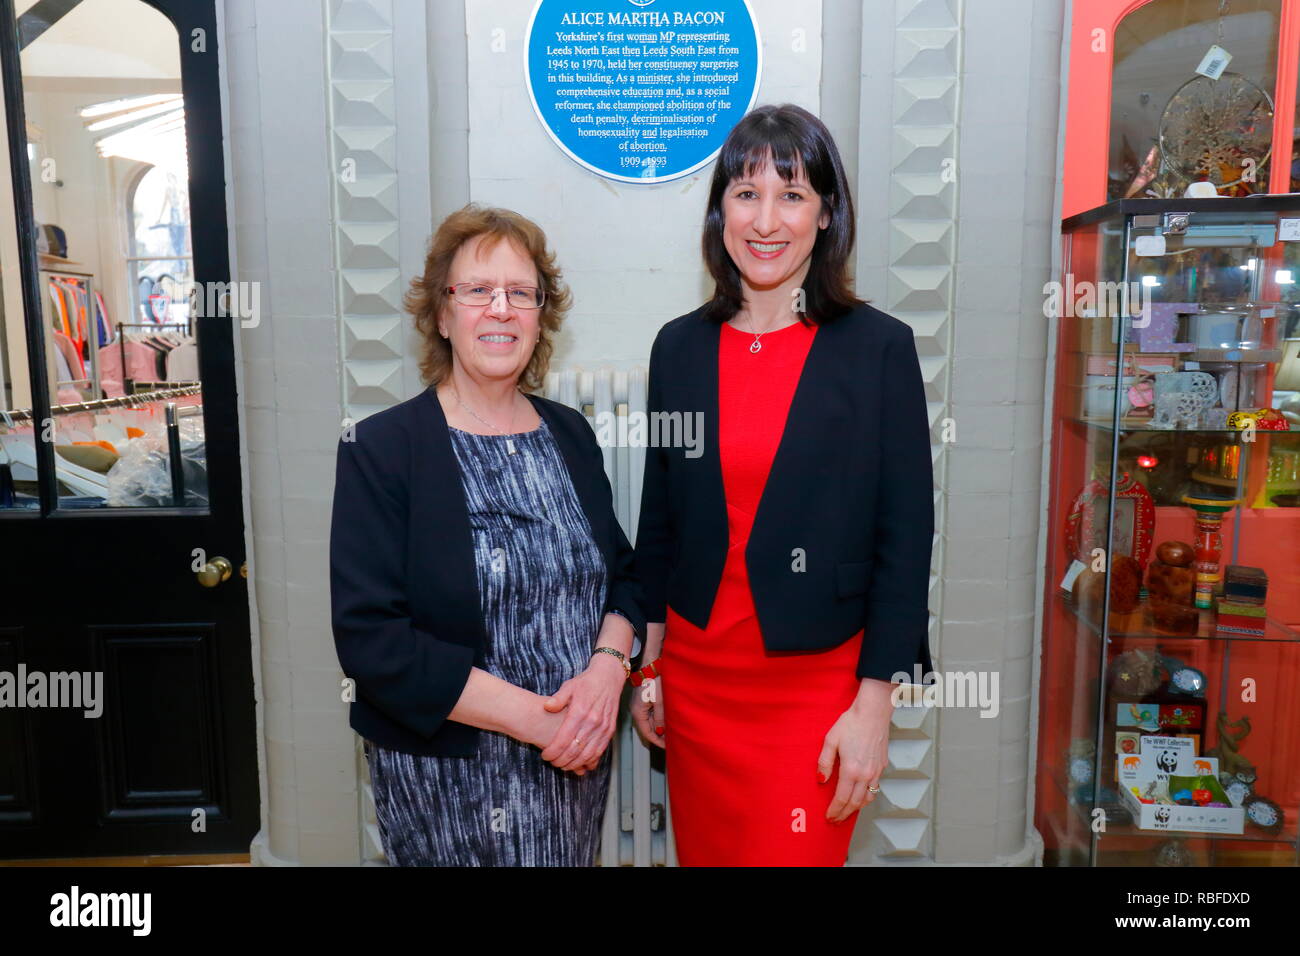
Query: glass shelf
{"type": "Point", "coordinates": [1289, 835]}
{"type": "Point", "coordinates": [1139, 426]}
{"type": "Point", "coordinates": [1274, 631]}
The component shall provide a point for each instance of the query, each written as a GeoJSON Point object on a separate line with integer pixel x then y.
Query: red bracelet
{"type": "Point", "coordinates": [649, 672]}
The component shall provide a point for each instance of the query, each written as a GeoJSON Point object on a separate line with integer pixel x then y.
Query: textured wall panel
{"type": "Point", "coordinates": [967, 788]}
{"type": "Point", "coordinates": [363, 127]}
{"type": "Point", "coordinates": [917, 249]}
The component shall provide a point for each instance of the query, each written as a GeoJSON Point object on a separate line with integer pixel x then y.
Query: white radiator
{"type": "Point", "coordinates": [637, 827]}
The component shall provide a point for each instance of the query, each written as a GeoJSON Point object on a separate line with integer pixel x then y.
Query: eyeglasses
{"type": "Point", "coordinates": [477, 293]}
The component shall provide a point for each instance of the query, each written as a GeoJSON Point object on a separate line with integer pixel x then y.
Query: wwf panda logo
{"type": "Point", "coordinates": [1167, 761]}
{"type": "Point", "coordinates": [1162, 814]}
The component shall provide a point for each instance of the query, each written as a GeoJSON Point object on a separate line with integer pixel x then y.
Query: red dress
{"type": "Point", "coordinates": [745, 726]}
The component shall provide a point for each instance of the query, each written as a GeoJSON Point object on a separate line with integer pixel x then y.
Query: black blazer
{"type": "Point", "coordinates": [850, 494]}
{"type": "Point", "coordinates": [408, 624]}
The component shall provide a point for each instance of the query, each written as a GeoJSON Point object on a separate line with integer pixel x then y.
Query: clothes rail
{"type": "Point", "coordinates": [144, 386]}
{"type": "Point", "coordinates": [153, 325]}
{"type": "Point", "coordinates": [10, 416]}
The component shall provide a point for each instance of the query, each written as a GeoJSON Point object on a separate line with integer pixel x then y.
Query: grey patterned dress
{"type": "Point", "coordinates": [542, 582]}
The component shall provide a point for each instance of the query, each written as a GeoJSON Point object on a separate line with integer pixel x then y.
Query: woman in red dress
{"type": "Point", "coordinates": [788, 558]}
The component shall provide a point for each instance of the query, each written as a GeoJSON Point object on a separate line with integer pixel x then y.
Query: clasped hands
{"type": "Point", "coordinates": [579, 718]}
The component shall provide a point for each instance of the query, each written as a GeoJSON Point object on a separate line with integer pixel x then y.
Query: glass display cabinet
{"type": "Point", "coordinates": [1170, 688]}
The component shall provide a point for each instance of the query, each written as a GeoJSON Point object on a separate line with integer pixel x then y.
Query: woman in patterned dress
{"type": "Point", "coordinates": [482, 594]}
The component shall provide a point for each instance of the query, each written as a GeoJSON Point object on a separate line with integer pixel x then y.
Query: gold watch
{"type": "Point", "coordinates": [627, 668]}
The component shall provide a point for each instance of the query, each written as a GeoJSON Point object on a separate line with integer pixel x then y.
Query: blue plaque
{"type": "Point", "coordinates": [642, 91]}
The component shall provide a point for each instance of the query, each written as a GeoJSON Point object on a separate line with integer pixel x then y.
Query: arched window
{"type": "Point", "coordinates": [160, 256]}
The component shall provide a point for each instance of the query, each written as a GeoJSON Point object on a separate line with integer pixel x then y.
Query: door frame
{"type": "Point", "coordinates": [222, 525]}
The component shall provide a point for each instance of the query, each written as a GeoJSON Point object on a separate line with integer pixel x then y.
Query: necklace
{"type": "Point", "coordinates": [755, 345]}
{"type": "Point", "coordinates": [510, 444]}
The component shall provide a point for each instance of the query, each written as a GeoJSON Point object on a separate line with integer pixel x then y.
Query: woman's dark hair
{"type": "Point", "coordinates": [791, 138]}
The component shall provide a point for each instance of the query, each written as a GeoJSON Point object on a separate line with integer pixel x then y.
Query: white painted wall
{"type": "Point", "coordinates": [80, 199]}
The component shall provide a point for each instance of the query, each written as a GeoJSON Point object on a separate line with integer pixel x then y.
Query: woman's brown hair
{"type": "Point", "coordinates": [791, 139]}
{"type": "Point", "coordinates": [427, 295]}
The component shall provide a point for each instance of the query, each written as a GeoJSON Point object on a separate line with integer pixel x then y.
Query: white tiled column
{"type": "Point", "coordinates": [282, 218]}
{"type": "Point", "coordinates": [330, 206]}
{"type": "Point", "coordinates": [957, 146]}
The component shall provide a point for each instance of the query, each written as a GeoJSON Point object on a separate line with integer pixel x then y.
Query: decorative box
{"type": "Point", "coordinates": [1166, 766]}
{"type": "Point", "coordinates": [1182, 718]}
{"type": "Point", "coordinates": [1151, 717]}
{"type": "Point", "coordinates": [1098, 398]}
{"type": "Point", "coordinates": [1161, 332]}
{"type": "Point", "coordinates": [1240, 619]}
{"type": "Point", "coordinates": [1135, 363]}
{"type": "Point", "coordinates": [1243, 584]}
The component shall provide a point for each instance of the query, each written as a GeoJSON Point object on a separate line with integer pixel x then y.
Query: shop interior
{"type": "Point", "coordinates": [106, 163]}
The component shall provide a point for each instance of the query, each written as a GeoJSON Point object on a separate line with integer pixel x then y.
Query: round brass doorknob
{"type": "Point", "coordinates": [214, 572]}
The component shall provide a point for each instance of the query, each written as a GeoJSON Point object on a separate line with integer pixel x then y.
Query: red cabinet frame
{"type": "Point", "coordinates": [1092, 46]}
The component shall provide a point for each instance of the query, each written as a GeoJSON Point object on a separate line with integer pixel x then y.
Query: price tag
{"type": "Point", "coordinates": [1214, 62]}
{"type": "Point", "coordinates": [1149, 246]}
{"type": "Point", "coordinates": [1288, 230]}
{"type": "Point", "coordinates": [1073, 571]}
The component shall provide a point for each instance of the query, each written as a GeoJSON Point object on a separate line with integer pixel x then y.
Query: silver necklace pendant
{"type": "Point", "coordinates": [755, 345]}
{"type": "Point", "coordinates": [510, 445]}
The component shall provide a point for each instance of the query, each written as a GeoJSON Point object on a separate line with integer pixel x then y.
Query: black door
{"type": "Point", "coordinates": [126, 695]}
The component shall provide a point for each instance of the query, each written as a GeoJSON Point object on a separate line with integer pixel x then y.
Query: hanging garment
{"type": "Point", "coordinates": [183, 363]}
{"type": "Point", "coordinates": [140, 365]}
{"type": "Point", "coordinates": [81, 316]}
{"type": "Point", "coordinates": [62, 370]}
{"type": "Point", "coordinates": [73, 312]}
{"type": "Point", "coordinates": [101, 315]}
{"type": "Point", "coordinates": [71, 359]}
{"type": "Point", "coordinates": [160, 350]}
{"type": "Point", "coordinates": [60, 323]}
